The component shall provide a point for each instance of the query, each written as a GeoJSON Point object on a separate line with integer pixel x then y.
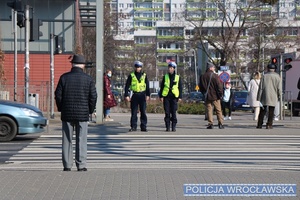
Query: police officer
{"type": "Point", "coordinates": [137, 82]}
{"type": "Point", "coordinates": [170, 94]}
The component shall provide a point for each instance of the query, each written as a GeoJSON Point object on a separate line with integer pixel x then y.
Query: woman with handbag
{"type": "Point", "coordinates": [108, 97]}
{"type": "Point", "coordinates": [252, 94]}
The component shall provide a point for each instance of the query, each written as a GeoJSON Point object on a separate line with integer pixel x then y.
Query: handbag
{"type": "Point", "coordinates": [259, 93]}
{"type": "Point", "coordinates": [205, 95]}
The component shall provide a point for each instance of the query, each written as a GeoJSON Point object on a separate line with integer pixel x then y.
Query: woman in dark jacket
{"type": "Point", "coordinates": [108, 97]}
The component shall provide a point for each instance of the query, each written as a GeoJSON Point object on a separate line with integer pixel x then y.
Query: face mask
{"type": "Point", "coordinates": [109, 75]}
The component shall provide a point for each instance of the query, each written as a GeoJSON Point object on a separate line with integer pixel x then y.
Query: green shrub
{"type": "Point", "coordinates": [183, 108]}
{"type": "Point", "coordinates": [155, 106]}
{"type": "Point", "coordinates": [191, 108]}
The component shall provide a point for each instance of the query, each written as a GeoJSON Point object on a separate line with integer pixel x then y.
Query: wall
{"type": "Point", "coordinates": [57, 16]}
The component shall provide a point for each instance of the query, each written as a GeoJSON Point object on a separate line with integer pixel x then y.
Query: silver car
{"type": "Point", "coordinates": [19, 118]}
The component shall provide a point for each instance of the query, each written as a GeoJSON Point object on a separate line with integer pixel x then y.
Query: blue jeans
{"type": "Point", "coordinates": [106, 112]}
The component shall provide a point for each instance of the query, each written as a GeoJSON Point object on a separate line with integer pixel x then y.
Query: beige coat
{"type": "Point", "coordinates": [252, 93]}
{"type": "Point", "coordinates": [270, 89]}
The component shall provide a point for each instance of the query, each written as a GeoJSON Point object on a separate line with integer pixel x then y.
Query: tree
{"type": "Point", "coordinates": [89, 41]}
{"type": "Point", "coordinates": [235, 23]}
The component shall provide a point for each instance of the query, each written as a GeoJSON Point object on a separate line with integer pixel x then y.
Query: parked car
{"type": "Point", "coordinates": [239, 100]}
{"type": "Point", "coordinates": [19, 118]}
{"type": "Point", "coordinates": [117, 95]}
{"type": "Point", "coordinates": [154, 96]}
{"type": "Point", "coordinates": [195, 97]}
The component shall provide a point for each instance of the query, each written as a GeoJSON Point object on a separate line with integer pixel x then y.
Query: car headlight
{"type": "Point", "coordinates": [29, 112]}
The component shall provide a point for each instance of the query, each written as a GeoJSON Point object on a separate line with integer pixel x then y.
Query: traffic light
{"type": "Point", "coordinates": [287, 64]}
{"type": "Point", "coordinates": [17, 5]}
{"type": "Point", "coordinates": [274, 61]}
{"type": "Point", "coordinates": [35, 32]}
{"type": "Point", "coordinates": [21, 19]}
{"type": "Point", "coordinates": [58, 45]}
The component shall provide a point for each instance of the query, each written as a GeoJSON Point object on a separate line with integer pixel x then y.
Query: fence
{"type": "Point", "coordinates": [39, 93]}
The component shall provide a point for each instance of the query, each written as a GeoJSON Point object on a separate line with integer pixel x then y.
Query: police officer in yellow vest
{"type": "Point", "coordinates": [137, 82]}
{"type": "Point", "coordinates": [170, 93]}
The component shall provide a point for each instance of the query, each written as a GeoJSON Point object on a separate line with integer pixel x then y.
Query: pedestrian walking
{"type": "Point", "coordinates": [212, 89]}
{"type": "Point", "coordinates": [137, 82]}
{"type": "Point", "coordinates": [75, 97]}
{"type": "Point", "coordinates": [252, 94]}
{"type": "Point", "coordinates": [227, 101]}
{"type": "Point", "coordinates": [170, 94]}
{"type": "Point", "coordinates": [108, 97]}
{"type": "Point", "coordinates": [269, 92]}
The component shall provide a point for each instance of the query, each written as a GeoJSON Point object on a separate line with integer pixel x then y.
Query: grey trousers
{"type": "Point", "coordinates": [80, 129]}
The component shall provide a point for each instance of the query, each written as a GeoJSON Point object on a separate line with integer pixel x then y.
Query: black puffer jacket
{"type": "Point", "coordinates": [75, 95]}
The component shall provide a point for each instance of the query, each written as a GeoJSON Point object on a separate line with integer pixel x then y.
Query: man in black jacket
{"type": "Point", "coordinates": [75, 97]}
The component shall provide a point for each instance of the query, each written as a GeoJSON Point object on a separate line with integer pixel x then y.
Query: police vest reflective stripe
{"type": "Point", "coordinates": [175, 89]}
{"type": "Point", "coordinates": [136, 85]}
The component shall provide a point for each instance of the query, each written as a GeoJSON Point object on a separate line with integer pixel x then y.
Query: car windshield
{"type": "Point", "coordinates": [240, 94]}
{"type": "Point", "coordinates": [196, 95]}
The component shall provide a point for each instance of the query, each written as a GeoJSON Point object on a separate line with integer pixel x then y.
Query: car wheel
{"type": "Point", "coordinates": [8, 129]}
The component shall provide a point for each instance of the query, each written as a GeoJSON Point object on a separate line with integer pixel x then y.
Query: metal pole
{"type": "Point", "coordinates": [263, 58]}
{"type": "Point", "coordinates": [99, 60]}
{"type": "Point", "coordinates": [196, 68]}
{"type": "Point", "coordinates": [52, 75]}
{"type": "Point", "coordinates": [26, 67]}
{"type": "Point", "coordinates": [15, 53]}
{"type": "Point", "coordinates": [280, 99]}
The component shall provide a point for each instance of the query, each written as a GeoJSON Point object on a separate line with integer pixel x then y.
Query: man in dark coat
{"type": "Point", "coordinates": [76, 98]}
{"type": "Point", "coordinates": [212, 88]}
{"type": "Point", "coordinates": [269, 91]}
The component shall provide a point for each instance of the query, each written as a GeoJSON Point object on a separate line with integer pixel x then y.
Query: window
{"type": "Point", "coordinates": [282, 15]}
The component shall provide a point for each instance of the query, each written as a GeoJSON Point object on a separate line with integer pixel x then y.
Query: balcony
{"type": "Point", "coordinates": [170, 37]}
{"type": "Point", "coordinates": [170, 51]}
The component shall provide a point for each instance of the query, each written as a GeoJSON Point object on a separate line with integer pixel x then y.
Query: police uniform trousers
{"type": "Point", "coordinates": [80, 129]}
{"type": "Point", "coordinates": [138, 103]}
{"type": "Point", "coordinates": [170, 107]}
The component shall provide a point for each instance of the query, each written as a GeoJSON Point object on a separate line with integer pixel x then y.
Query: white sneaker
{"type": "Point", "coordinates": [229, 118]}
{"type": "Point", "coordinates": [108, 119]}
{"type": "Point", "coordinates": [225, 118]}
{"type": "Point", "coordinates": [276, 118]}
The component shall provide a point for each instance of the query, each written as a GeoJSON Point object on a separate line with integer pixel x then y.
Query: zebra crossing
{"type": "Point", "coordinates": [156, 150]}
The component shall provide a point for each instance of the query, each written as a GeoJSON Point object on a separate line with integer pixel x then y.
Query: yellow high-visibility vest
{"type": "Point", "coordinates": [175, 89]}
{"type": "Point", "coordinates": [136, 85]}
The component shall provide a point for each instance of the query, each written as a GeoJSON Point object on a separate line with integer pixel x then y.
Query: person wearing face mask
{"type": "Point", "coordinates": [108, 97]}
{"type": "Point", "coordinates": [137, 82]}
{"type": "Point", "coordinates": [170, 94]}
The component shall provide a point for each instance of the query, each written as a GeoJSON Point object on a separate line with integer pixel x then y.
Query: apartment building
{"type": "Point", "coordinates": [173, 22]}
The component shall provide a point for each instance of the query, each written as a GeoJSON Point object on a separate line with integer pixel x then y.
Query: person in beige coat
{"type": "Point", "coordinates": [270, 89]}
{"type": "Point", "coordinates": [252, 94]}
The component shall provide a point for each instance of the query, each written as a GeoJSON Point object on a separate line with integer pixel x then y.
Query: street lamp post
{"type": "Point", "coordinates": [195, 66]}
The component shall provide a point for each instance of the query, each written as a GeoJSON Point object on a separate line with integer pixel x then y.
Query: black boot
{"type": "Point", "coordinates": [173, 127]}
{"type": "Point", "coordinates": [167, 127]}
